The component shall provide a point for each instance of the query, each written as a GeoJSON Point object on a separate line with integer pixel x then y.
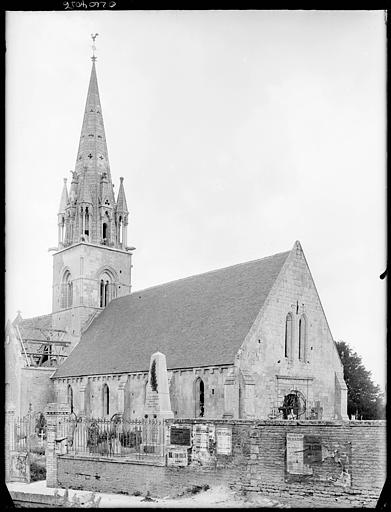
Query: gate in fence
{"type": "Point", "coordinates": [24, 436]}
{"type": "Point", "coordinates": [115, 437]}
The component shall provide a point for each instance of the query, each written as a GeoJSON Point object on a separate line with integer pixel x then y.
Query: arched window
{"type": "Point", "coordinates": [70, 396]}
{"type": "Point", "coordinates": [199, 398]}
{"type": "Point", "coordinates": [302, 338]}
{"type": "Point", "coordinates": [107, 289]}
{"type": "Point", "coordinates": [106, 400]}
{"type": "Point", "coordinates": [288, 335]}
{"type": "Point", "coordinates": [66, 291]}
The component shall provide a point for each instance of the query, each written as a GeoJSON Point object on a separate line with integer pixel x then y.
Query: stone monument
{"type": "Point", "coordinates": [157, 407]}
{"type": "Point", "coordinates": [157, 397]}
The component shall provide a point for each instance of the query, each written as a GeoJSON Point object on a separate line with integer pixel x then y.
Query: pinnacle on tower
{"type": "Point", "coordinates": [121, 200]}
{"type": "Point", "coordinates": [64, 198]}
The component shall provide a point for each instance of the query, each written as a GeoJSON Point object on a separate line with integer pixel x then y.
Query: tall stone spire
{"type": "Point", "coordinates": [92, 152]}
{"type": "Point", "coordinates": [90, 214]}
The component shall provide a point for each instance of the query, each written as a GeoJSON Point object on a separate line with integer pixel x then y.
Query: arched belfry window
{"type": "Point", "coordinates": [106, 400]}
{"type": "Point", "coordinates": [66, 290]}
{"type": "Point", "coordinates": [70, 396]}
{"type": "Point", "coordinates": [288, 335]}
{"type": "Point", "coordinates": [302, 338]}
{"type": "Point", "coordinates": [199, 389]}
{"type": "Point", "coordinates": [107, 289]}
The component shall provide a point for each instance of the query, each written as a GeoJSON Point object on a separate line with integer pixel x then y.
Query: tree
{"type": "Point", "coordinates": [365, 398]}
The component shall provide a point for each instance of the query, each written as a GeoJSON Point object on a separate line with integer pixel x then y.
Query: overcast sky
{"type": "Point", "coordinates": [237, 133]}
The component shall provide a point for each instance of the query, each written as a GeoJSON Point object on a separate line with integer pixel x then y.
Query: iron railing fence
{"type": "Point", "coordinates": [115, 437]}
{"type": "Point", "coordinates": [308, 411]}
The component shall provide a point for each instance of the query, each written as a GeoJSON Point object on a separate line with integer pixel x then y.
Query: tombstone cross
{"type": "Point", "coordinates": [41, 436]}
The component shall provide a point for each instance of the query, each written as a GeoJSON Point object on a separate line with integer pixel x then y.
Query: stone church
{"type": "Point", "coordinates": [246, 341]}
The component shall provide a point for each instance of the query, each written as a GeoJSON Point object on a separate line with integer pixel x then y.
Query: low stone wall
{"type": "Point", "coordinates": [350, 465]}
{"type": "Point", "coordinates": [344, 461]}
{"type": "Point", "coordinates": [114, 476]}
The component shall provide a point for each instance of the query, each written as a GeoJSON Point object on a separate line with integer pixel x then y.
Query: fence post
{"type": "Point", "coordinates": [55, 414]}
{"type": "Point", "coordinates": [9, 438]}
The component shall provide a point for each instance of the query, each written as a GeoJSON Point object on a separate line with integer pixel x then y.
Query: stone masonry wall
{"type": "Point", "coordinates": [181, 386]}
{"type": "Point", "coordinates": [262, 353]}
{"type": "Point", "coordinates": [257, 463]}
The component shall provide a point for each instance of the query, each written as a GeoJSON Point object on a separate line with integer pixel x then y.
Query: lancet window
{"type": "Point", "coordinates": [288, 335]}
{"type": "Point", "coordinates": [66, 291]}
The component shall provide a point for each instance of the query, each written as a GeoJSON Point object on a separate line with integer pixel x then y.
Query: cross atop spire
{"type": "Point", "coordinates": [93, 37]}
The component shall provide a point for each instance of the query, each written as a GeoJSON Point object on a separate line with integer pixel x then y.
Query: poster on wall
{"type": "Point", "coordinates": [224, 440]}
{"type": "Point", "coordinates": [201, 437]}
{"type": "Point", "coordinates": [177, 456]}
{"type": "Point", "coordinates": [295, 455]}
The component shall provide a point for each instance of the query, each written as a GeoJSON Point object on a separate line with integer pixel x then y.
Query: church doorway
{"type": "Point", "coordinates": [199, 398]}
{"type": "Point", "coordinates": [294, 405]}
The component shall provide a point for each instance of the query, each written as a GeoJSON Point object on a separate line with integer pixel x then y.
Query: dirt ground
{"type": "Point", "coordinates": [218, 496]}
{"type": "Point", "coordinates": [215, 497]}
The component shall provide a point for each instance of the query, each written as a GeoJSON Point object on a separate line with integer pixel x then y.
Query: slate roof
{"type": "Point", "coordinates": [196, 321]}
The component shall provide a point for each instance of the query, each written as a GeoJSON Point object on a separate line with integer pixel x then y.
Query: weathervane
{"type": "Point", "coordinates": [93, 37]}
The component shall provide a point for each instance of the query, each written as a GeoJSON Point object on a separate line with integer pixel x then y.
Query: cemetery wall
{"type": "Point", "coordinates": [344, 461]}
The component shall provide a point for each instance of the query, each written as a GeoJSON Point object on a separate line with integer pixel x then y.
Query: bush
{"type": "Point", "coordinates": [37, 471]}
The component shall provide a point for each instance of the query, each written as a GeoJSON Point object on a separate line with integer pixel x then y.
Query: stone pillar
{"type": "Point", "coordinates": [9, 438]}
{"type": "Point", "coordinates": [231, 395]}
{"type": "Point", "coordinates": [83, 388]}
{"type": "Point", "coordinates": [341, 398]}
{"type": "Point", "coordinates": [247, 396]}
{"type": "Point", "coordinates": [121, 394]}
{"type": "Point", "coordinates": [56, 429]}
{"type": "Point", "coordinates": [124, 232]}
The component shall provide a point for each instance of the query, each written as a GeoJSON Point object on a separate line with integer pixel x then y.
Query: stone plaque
{"type": "Point", "coordinates": [180, 436]}
{"type": "Point", "coordinates": [152, 401]}
{"type": "Point", "coordinates": [224, 440]}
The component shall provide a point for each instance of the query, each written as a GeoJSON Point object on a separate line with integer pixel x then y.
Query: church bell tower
{"type": "Point", "coordinates": [92, 263]}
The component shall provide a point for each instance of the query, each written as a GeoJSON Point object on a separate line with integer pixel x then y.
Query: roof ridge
{"type": "Point", "coordinates": [205, 273]}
